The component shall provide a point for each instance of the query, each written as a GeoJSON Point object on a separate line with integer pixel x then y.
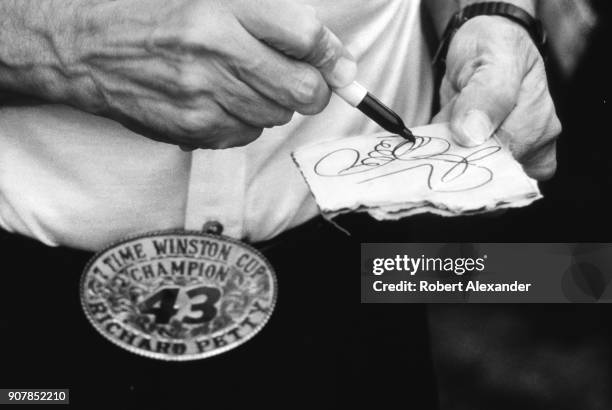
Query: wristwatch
{"type": "Point", "coordinates": [510, 11]}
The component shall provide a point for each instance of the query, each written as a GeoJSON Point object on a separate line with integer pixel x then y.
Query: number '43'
{"type": "Point", "coordinates": [191, 306]}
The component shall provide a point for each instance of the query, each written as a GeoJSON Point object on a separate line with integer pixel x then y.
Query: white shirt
{"type": "Point", "coordinates": [71, 178]}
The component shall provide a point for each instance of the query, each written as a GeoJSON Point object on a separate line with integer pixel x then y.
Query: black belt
{"type": "Point", "coordinates": [319, 344]}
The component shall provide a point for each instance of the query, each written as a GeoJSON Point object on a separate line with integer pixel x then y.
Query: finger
{"type": "Point", "coordinates": [445, 112]}
{"type": "Point", "coordinates": [253, 108]}
{"type": "Point", "coordinates": [205, 125]}
{"type": "Point", "coordinates": [295, 30]}
{"type": "Point", "coordinates": [487, 98]}
{"type": "Point", "coordinates": [212, 127]}
{"type": "Point", "coordinates": [534, 145]}
{"type": "Point", "coordinates": [193, 80]}
{"type": "Point", "coordinates": [531, 130]}
{"type": "Point", "coordinates": [538, 155]}
{"type": "Point", "coordinates": [534, 122]}
{"type": "Point", "coordinates": [447, 91]}
{"type": "Point", "coordinates": [542, 164]}
{"type": "Point", "coordinates": [292, 84]}
{"type": "Point", "coordinates": [235, 134]}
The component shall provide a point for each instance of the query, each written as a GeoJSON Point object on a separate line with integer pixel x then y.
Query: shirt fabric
{"type": "Point", "coordinates": [75, 179]}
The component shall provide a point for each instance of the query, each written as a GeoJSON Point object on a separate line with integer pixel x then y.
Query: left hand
{"type": "Point", "coordinates": [495, 82]}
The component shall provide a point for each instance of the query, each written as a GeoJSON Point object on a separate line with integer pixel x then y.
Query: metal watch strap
{"type": "Point", "coordinates": [507, 10]}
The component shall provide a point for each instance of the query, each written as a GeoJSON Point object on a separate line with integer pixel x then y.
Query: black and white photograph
{"type": "Point", "coordinates": [194, 195]}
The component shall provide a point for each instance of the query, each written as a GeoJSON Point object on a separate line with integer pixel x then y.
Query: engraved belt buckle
{"type": "Point", "coordinates": [178, 295]}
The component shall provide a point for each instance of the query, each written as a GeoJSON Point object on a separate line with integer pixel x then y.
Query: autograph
{"type": "Point", "coordinates": [392, 155]}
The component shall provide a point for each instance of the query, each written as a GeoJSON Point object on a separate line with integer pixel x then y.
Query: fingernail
{"type": "Point", "coordinates": [477, 127]}
{"type": "Point", "coordinates": [344, 73]}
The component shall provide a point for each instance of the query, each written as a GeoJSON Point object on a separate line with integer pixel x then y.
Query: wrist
{"type": "Point", "coordinates": [68, 39]}
{"type": "Point", "coordinates": [515, 15]}
{"type": "Point", "coordinates": [518, 16]}
{"type": "Point", "coordinates": [37, 48]}
{"type": "Point", "coordinates": [442, 11]}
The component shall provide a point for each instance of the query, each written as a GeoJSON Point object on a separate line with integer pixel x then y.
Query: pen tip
{"type": "Point", "coordinates": [407, 134]}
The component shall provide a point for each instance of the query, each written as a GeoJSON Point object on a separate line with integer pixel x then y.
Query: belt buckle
{"type": "Point", "coordinates": [178, 295]}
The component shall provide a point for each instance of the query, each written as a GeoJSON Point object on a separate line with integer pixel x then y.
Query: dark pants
{"type": "Point", "coordinates": [319, 350]}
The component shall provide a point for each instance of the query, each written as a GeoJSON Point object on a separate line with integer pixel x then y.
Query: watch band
{"type": "Point", "coordinates": [510, 11]}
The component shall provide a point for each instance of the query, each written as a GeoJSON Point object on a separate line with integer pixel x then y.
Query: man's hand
{"type": "Point", "coordinates": [195, 73]}
{"type": "Point", "coordinates": [495, 81]}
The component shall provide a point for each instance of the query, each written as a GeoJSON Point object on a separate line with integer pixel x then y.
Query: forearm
{"type": "Point", "coordinates": [442, 10]}
{"type": "Point", "coordinates": [37, 38]}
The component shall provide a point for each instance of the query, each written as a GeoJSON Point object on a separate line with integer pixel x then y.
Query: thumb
{"type": "Point", "coordinates": [489, 96]}
{"type": "Point", "coordinates": [294, 29]}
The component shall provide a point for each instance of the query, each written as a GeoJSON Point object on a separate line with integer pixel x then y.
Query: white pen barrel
{"type": "Point", "coordinates": [353, 93]}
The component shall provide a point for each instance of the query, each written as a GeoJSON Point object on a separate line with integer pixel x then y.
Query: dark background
{"type": "Point", "coordinates": [323, 350]}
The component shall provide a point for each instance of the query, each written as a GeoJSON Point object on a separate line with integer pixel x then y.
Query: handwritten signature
{"type": "Point", "coordinates": [393, 155]}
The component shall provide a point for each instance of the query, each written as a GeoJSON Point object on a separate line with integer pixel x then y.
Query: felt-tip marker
{"type": "Point", "coordinates": [356, 95]}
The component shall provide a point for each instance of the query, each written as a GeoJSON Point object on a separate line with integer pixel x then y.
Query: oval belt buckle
{"type": "Point", "coordinates": [178, 295]}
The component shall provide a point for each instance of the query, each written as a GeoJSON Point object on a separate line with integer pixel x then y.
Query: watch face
{"type": "Point", "coordinates": [178, 295]}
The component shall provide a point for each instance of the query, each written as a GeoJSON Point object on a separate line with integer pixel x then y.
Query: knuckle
{"type": "Point", "coordinates": [195, 121]}
{"type": "Point", "coordinates": [189, 80]}
{"type": "Point", "coordinates": [257, 111]}
{"type": "Point", "coordinates": [307, 89]}
{"type": "Point", "coordinates": [318, 104]}
{"type": "Point", "coordinates": [555, 126]}
{"type": "Point", "coordinates": [310, 31]}
{"type": "Point", "coordinates": [279, 117]}
{"type": "Point", "coordinates": [188, 33]}
{"type": "Point", "coordinates": [545, 172]}
{"type": "Point", "coordinates": [328, 56]}
{"type": "Point", "coordinates": [542, 164]}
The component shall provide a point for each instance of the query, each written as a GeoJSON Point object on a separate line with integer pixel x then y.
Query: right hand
{"type": "Point", "coordinates": [206, 73]}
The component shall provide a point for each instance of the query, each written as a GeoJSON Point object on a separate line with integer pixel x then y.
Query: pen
{"type": "Point", "coordinates": [356, 95]}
